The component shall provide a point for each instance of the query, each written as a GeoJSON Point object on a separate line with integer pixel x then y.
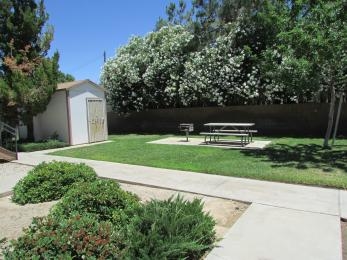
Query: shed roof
{"type": "Point", "coordinates": [76, 83]}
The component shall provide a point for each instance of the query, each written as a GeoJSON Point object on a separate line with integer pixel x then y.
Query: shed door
{"type": "Point", "coordinates": [96, 120]}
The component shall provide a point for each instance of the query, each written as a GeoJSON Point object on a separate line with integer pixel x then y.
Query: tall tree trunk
{"type": "Point", "coordinates": [331, 117]}
{"type": "Point", "coordinates": [337, 117]}
{"type": "Point", "coordinates": [30, 128]}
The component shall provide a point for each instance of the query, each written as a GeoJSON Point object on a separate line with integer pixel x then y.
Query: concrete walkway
{"type": "Point", "coordinates": [266, 232]}
{"type": "Point", "coordinates": [306, 198]}
{"type": "Point", "coordinates": [10, 174]}
{"type": "Point", "coordinates": [285, 221]}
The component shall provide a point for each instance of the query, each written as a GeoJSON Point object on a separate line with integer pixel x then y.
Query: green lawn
{"type": "Point", "coordinates": [291, 160]}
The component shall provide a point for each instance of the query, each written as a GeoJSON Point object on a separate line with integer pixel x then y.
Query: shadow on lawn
{"type": "Point", "coordinates": [303, 156]}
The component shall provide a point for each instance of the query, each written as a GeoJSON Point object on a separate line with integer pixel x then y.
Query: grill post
{"type": "Point", "coordinates": [186, 127]}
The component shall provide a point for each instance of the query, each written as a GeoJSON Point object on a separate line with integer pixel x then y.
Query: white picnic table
{"type": "Point", "coordinates": [242, 130]}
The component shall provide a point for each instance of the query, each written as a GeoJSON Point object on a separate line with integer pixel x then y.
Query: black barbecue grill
{"type": "Point", "coordinates": [186, 128]}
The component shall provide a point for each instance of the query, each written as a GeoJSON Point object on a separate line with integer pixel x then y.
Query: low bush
{"type": "Point", "coordinates": [104, 199]}
{"type": "Point", "coordinates": [42, 145]}
{"type": "Point", "coordinates": [171, 229]}
{"type": "Point", "coordinates": [75, 228]}
{"type": "Point", "coordinates": [80, 237]}
{"type": "Point", "coordinates": [50, 181]}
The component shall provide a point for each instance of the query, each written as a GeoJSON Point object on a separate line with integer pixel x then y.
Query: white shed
{"type": "Point", "coordinates": [76, 113]}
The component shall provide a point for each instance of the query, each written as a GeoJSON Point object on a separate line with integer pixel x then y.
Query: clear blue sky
{"type": "Point", "coordinates": [85, 29]}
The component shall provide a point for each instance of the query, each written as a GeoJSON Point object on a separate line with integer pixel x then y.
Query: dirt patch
{"type": "Point", "coordinates": [344, 239]}
{"type": "Point", "coordinates": [225, 212]}
{"type": "Point", "coordinates": [13, 218]}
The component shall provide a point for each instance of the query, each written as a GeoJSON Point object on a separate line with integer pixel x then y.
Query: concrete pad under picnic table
{"type": "Point", "coordinates": [271, 233]}
{"type": "Point", "coordinates": [222, 143]}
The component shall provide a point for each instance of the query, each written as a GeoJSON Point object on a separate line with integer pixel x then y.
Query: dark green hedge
{"type": "Point", "coordinates": [104, 199]}
{"type": "Point", "coordinates": [50, 181]}
{"type": "Point", "coordinates": [38, 146]}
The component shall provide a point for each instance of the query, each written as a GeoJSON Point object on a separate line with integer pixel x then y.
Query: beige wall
{"type": "Point", "coordinates": [54, 119]}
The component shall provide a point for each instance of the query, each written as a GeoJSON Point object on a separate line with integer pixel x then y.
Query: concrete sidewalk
{"type": "Point", "coordinates": [265, 232]}
{"type": "Point", "coordinates": [299, 197]}
{"type": "Point", "coordinates": [285, 221]}
{"type": "Point", "coordinates": [10, 174]}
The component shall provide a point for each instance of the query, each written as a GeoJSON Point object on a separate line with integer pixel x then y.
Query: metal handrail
{"type": "Point", "coordinates": [8, 129]}
{"type": "Point", "coordinates": [11, 130]}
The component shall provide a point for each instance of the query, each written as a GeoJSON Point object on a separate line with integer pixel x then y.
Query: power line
{"type": "Point", "coordinates": [85, 64]}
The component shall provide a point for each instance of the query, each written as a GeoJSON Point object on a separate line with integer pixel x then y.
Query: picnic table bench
{"type": "Point", "coordinates": [238, 129]}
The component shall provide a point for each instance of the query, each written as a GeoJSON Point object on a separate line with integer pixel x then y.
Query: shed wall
{"type": "Point", "coordinates": [53, 120]}
{"type": "Point", "coordinates": [78, 111]}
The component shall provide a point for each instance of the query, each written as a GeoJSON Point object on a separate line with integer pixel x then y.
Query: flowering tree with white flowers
{"type": "Point", "coordinates": [265, 52]}
{"type": "Point", "coordinates": [146, 72]}
{"type": "Point", "coordinates": [215, 76]}
{"type": "Point", "coordinates": [122, 76]}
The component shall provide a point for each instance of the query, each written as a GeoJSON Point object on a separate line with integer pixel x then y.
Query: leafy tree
{"type": "Point", "coordinates": [200, 19]}
{"type": "Point", "coordinates": [317, 46]}
{"type": "Point", "coordinates": [27, 77]}
{"type": "Point", "coordinates": [208, 19]}
{"type": "Point", "coordinates": [21, 28]}
{"type": "Point", "coordinates": [64, 77]}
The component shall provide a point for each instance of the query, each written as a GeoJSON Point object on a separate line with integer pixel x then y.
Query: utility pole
{"type": "Point", "coordinates": [104, 56]}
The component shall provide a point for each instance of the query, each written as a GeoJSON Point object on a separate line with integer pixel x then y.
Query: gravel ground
{"type": "Point", "coordinates": [13, 218]}
{"type": "Point", "coordinates": [10, 174]}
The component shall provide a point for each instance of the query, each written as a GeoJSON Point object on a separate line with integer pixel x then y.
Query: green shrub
{"type": "Point", "coordinates": [102, 198]}
{"type": "Point", "coordinates": [43, 145]}
{"type": "Point", "coordinates": [171, 229]}
{"type": "Point", "coordinates": [50, 181]}
{"type": "Point", "coordinates": [80, 237]}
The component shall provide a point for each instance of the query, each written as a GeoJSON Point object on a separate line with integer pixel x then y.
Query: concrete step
{"type": "Point", "coordinates": [7, 155]}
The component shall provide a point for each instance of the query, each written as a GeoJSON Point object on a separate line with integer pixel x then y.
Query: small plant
{"type": "Point", "coordinates": [42, 145]}
{"type": "Point", "coordinates": [50, 181]}
{"type": "Point", "coordinates": [80, 237]}
{"type": "Point", "coordinates": [104, 199]}
{"type": "Point", "coordinates": [171, 229]}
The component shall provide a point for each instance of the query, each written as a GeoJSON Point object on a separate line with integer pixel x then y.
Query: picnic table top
{"type": "Point", "coordinates": [230, 124]}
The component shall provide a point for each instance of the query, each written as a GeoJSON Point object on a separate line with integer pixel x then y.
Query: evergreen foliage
{"type": "Point", "coordinates": [28, 78]}
{"type": "Point", "coordinates": [78, 237]}
{"type": "Point", "coordinates": [104, 199]}
{"type": "Point", "coordinates": [98, 220]}
{"type": "Point", "coordinates": [50, 181]}
{"type": "Point", "coordinates": [170, 229]}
